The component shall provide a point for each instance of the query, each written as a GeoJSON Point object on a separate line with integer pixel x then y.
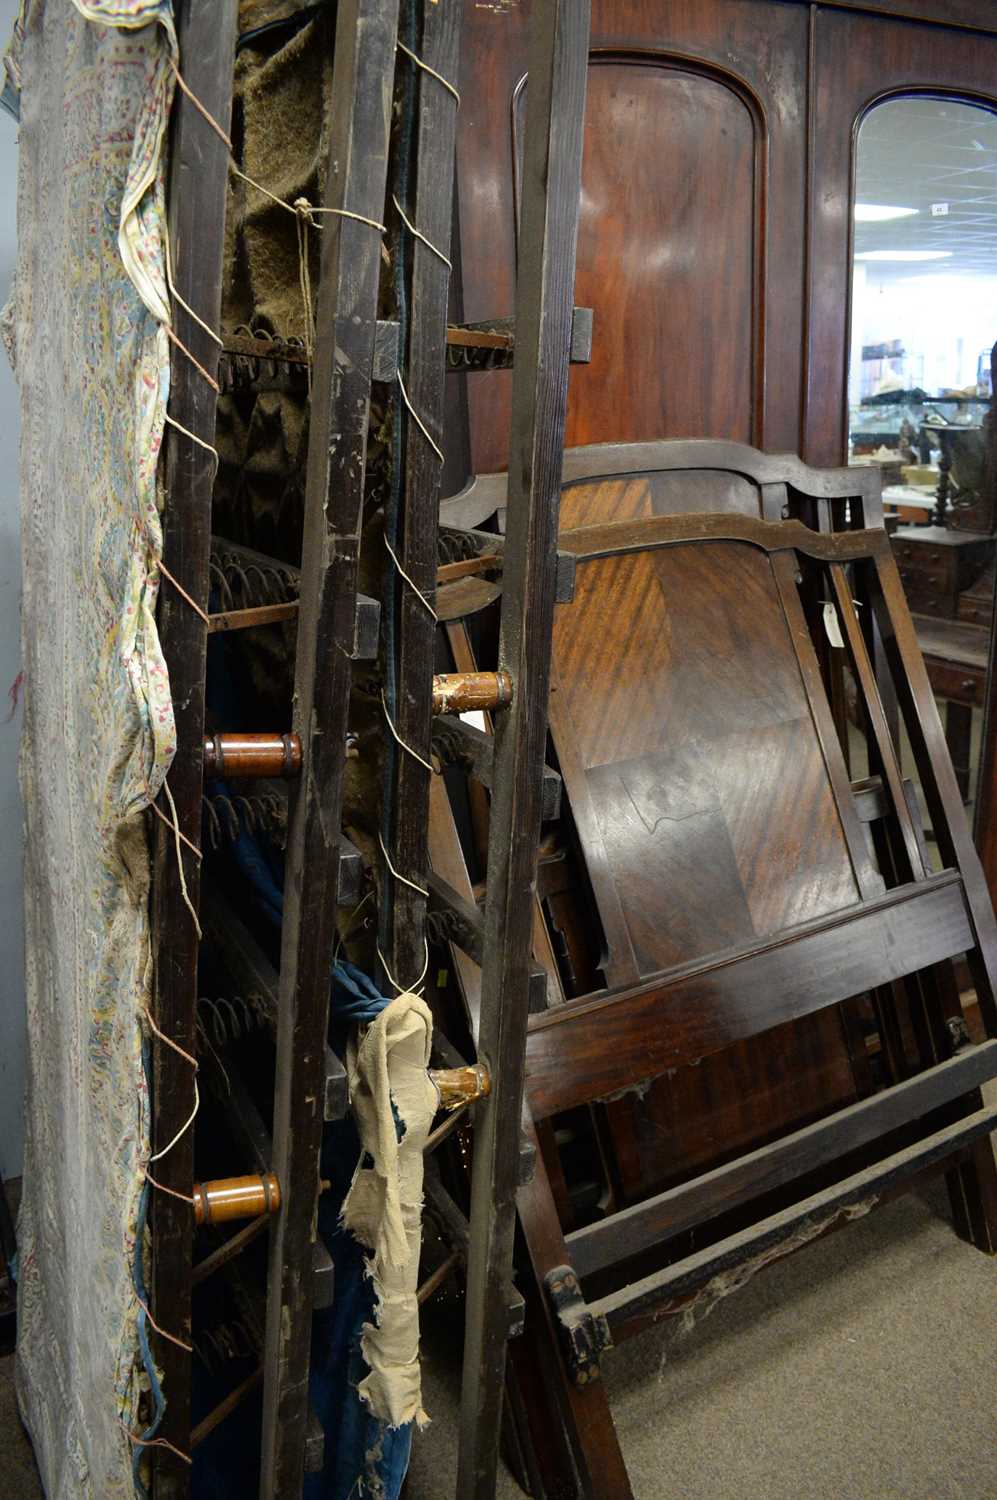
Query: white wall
{"type": "Point", "coordinates": [11, 915]}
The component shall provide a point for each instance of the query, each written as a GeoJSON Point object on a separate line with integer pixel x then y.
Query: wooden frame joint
{"type": "Point", "coordinates": [583, 1334]}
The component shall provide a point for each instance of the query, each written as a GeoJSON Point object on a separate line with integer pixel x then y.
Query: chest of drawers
{"type": "Point", "coordinates": [937, 565]}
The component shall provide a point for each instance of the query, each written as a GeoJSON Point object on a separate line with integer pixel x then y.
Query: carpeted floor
{"type": "Point", "coordinates": [863, 1368]}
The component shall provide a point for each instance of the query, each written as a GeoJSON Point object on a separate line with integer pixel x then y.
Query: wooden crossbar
{"type": "Point", "coordinates": [644, 1225]}
{"type": "Point", "coordinates": [591, 1048]}
{"type": "Point", "coordinates": [820, 1210]}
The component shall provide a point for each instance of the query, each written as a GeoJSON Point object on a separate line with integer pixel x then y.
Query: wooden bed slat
{"type": "Point", "coordinates": [630, 1302]}
{"type": "Point", "coordinates": [644, 1225]}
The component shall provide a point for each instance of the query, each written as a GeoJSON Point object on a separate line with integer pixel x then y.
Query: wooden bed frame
{"type": "Point", "coordinates": [893, 934]}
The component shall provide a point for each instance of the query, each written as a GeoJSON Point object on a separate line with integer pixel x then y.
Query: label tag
{"type": "Point", "coordinates": [832, 626]}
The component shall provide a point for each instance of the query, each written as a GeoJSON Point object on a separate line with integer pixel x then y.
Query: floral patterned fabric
{"type": "Point", "coordinates": [91, 359]}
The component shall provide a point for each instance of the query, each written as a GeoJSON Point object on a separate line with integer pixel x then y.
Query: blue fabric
{"type": "Point", "coordinates": [338, 1366]}
{"type": "Point", "coordinates": [225, 1464]}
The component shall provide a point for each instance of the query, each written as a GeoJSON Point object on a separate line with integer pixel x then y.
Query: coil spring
{"type": "Point", "coordinates": [246, 584]}
{"type": "Point", "coordinates": [226, 1341]}
{"type": "Point", "coordinates": [472, 357]}
{"type": "Point", "coordinates": [455, 546]}
{"type": "Point", "coordinates": [445, 927]}
{"type": "Point", "coordinates": [448, 744]}
{"type": "Point", "coordinates": [230, 1017]}
{"type": "Point", "coordinates": [226, 817]}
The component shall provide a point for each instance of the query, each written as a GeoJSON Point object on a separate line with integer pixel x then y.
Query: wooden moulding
{"type": "Point", "coordinates": [820, 1210]}
{"type": "Point", "coordinates": [593, 1047]}
{"type": "Point", "coordinates": [772, 473]}
{"type": "Point", "coordinates": [249, 619]}
{"type": "Point", "coordinates": [434, 30]}
{"type": "Point", "coordinates": [231, 756]}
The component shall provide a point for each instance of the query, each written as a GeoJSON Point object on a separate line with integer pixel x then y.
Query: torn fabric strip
{"type": "Point", "coordinates": [387, 1066]}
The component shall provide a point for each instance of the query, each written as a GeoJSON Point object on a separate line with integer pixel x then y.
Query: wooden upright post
{"type": "Point", "coordinates": [423, 371]}
{"type": "Point", "coordinates": [197, 192]}
{"type": "Point", "coordinates": [363, 72]}
{"type": "Point", "coordinates": [544, 293]}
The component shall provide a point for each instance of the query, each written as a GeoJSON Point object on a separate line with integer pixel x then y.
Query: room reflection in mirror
{"type": "Point", "coordinates": [923, 323]}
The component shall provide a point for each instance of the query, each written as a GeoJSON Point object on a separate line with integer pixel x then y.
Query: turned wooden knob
{"type": "Point", "coordinates": [459, 1086]}
{"type": "Point", "coordinates": [235, 1198]}
{"type": "Point", "coordinates": [234, 755]}
{"type": "Point", "coordinates": [458, 692]}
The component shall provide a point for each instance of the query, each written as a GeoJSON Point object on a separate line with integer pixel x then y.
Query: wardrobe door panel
{"type": "Point", "coordinates": [859, 61]}
{"type": "Point", "coordinates": [670, 155]}
{"type": "Point", "coordinates": [695, 157]}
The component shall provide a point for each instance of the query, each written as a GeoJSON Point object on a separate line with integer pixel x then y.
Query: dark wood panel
{"type": "Point", "coordinates": [973, 15]}
{"type": "Point", "coordinates": [551, 186]}
{"type": "Point", "coordinates": [739, 1098]}
{"type": "Point", "coordinates": [403, 911]}
{"type": "Point", "coordinates": [668, 155]}
{"type": "Point", "coordinates": [346, 326]}
{"type": "Point", "coordinates": [656, 494]}
{"type": "Point", "coordinates": [738, 64]}
{"type": "Point", "coordinates": [591, 1048]}
{"type": "Point", "coordinates": [859, 59]}
{"type": "Point", "coordinates": [688, 647]}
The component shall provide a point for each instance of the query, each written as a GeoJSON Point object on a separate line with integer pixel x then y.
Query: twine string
{"type": "Point", "coordinates": [183, 1128]}
{"type": "Point", "coordinates": [415, 989]}
{"type": "Point", "coordinates": [153, 1442]}
{"type": "Point", "coordinates": [420, 236]}
{"type": "Point", "coordinates": [170, 1192]}
{"type": "Point", "coordinates": [199, 106]}
{"type": "Point", "coordinates": [168, 1039]}
{"type": "Point", "coordinates": [182, 591]}
{"type": "Point", "coordinates": [431, 71]}
{"type": "Point", "coordinates": [302, 218]}
{"type": "Point", "coordinates": [180, 1343]}
{"type": "Point", "coordinates": [397, 874]}
{"type": "Point", "coordinates": [183, 879]}
{"type": "Point", "coordinates": [186, 305]}
{"type": "Point", "coordinates": [414, 753]}
{"type": "Point", "coordinates": [189, 842]}
{"type": "Point", "coordinates": [418, 420]}
{"type": "Point", "coordinates": [417, 591]}
{"type": "Point", "coordinates": [201, 444]}
{"type": "Point", "coordinates": [193, 359]}
{"type": "Point", "coordinates": [342, 213]}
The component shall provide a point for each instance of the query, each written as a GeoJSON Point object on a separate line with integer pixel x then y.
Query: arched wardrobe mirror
{"type": "Point", "coordinates": [923, 323]}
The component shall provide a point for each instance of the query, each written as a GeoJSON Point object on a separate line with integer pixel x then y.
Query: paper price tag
{"type": "Point", "coordinates": [832, 626]}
